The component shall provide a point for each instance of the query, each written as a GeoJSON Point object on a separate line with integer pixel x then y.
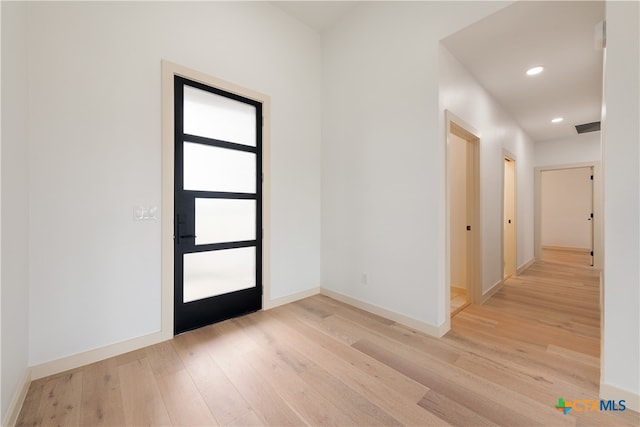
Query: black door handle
{"type": "Point", "coordinates": [177, 236]}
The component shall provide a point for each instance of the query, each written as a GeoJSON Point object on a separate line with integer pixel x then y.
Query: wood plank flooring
{"type": "Point", "coordinates": [458, 300]}
{"type": "Point", "coordinates": [566, 255]}
{"type": "Point", "coordinates": [321, 362]}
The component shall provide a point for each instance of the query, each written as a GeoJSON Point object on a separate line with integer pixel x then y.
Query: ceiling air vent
{"type": "Point", "coordinates": [588, 127]}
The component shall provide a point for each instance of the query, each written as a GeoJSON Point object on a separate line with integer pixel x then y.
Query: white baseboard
{"type": "Point", "coordinates": [80, 359]}
{"type": "Point", "coordinates": [524, 266]}
{"type": "Point", "coordinates": [492, 291]}
{"type": "Point", "coordinates": [95, 355]}
{"type": "Point", "coordinates": [445, 327]}
{"type": "Point", "coordinates": [609, 392]}
{"type": "Point", "coordinates": [566, 248]}
{"type": "Point", "coordinates": [290, 298]}
{"type": "Point", "coordinates": [435, 331]}
{"type": "Point", "coordinates": [13, 411]}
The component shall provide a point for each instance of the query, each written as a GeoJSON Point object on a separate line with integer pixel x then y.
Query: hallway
{"type": "Point", "coordinates": [539, 336]}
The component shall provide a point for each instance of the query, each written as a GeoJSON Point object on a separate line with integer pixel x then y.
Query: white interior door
{"type": "Point", "coordinates": [509, 222]}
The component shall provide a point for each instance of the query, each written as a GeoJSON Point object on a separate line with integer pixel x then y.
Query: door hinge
{"type": "Point", "coordinates": [591, 253]}
{"type": "Point", "coordinates": [591, 178]}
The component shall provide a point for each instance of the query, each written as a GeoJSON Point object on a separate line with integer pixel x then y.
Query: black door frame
{"type": "Point", "coordinates": [199, 313]}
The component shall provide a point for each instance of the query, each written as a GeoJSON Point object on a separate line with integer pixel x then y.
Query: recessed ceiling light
{"type": "Point", "coordinates": [535, 70]}
{"type": "Point", "coordinates": [557, 120]}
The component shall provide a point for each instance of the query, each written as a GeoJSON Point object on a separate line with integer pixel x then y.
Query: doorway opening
{"type": "Point", "coordinates": [215, 199]}
{"type": "Point", "coordinates": [567, 215]}
{"type": "Point", "coordinates": [509, 230]}
{"type": "Point", "coordinates": [463, 211]}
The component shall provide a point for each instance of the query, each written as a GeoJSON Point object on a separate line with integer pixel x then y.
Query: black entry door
{"type": "Point", "coordinates": [218, 206]}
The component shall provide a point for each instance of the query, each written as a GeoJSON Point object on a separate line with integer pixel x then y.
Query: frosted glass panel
{"type": "Point", "coordinates": [208, 274]}
{"type": "Point", "coordinates": [208, 168]}
{"type": "Point", "coordinates": [214, 116]}
{"type": "Point", "coordinates": [225, 220]}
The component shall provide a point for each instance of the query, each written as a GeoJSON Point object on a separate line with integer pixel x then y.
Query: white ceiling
{"type": "Point", "coordinates": [560, 35]}
{"type": "Point", "coordinates": [319, 15]}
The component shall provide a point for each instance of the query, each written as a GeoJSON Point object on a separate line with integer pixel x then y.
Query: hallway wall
{"type": "Point", "coordinates": [461, 94]}
{"type": "Point", "coordinates": [383, 188]}
{"type": "Point", "coordinates": [582, 148]}
{"type": "Point", "coordinates": [621, 167]}
{"type": "Point", "coordinates": [14, 252]}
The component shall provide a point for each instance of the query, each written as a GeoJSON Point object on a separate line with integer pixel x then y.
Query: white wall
{"type": "Point", "coordinates": [95, 125]}
{"type": "Point", "coordinates": [566, 203]}
{"type": "Point", "coordinates": [621, 157]}
{"type": "Point", "coordinates": [383, 187]}
{"type": "Point", "coordinates": [14, 225]}
{"type": "Point", "coordinates": [461, 94]}
{"type": "Point", "coordinates": [583, 148]}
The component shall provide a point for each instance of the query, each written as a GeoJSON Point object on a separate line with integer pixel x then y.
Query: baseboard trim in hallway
{"type": "Point", "coordinates": [492, 291]}
{"type": "Point", "coordinates": [524, 266]}
{"type": "Point", "coordinates": [435, 331]}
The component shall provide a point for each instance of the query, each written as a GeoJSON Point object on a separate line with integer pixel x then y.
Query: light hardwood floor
{"type": "Point", "coordinates": [321, 362]}
{"type": "Point", "coordinates": [458, 300]}
{"type": "Point", "coordinates": [566, 256]}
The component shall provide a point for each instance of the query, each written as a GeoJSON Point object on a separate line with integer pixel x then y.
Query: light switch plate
{"type": "Point", "coordinates": [142, 213]}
